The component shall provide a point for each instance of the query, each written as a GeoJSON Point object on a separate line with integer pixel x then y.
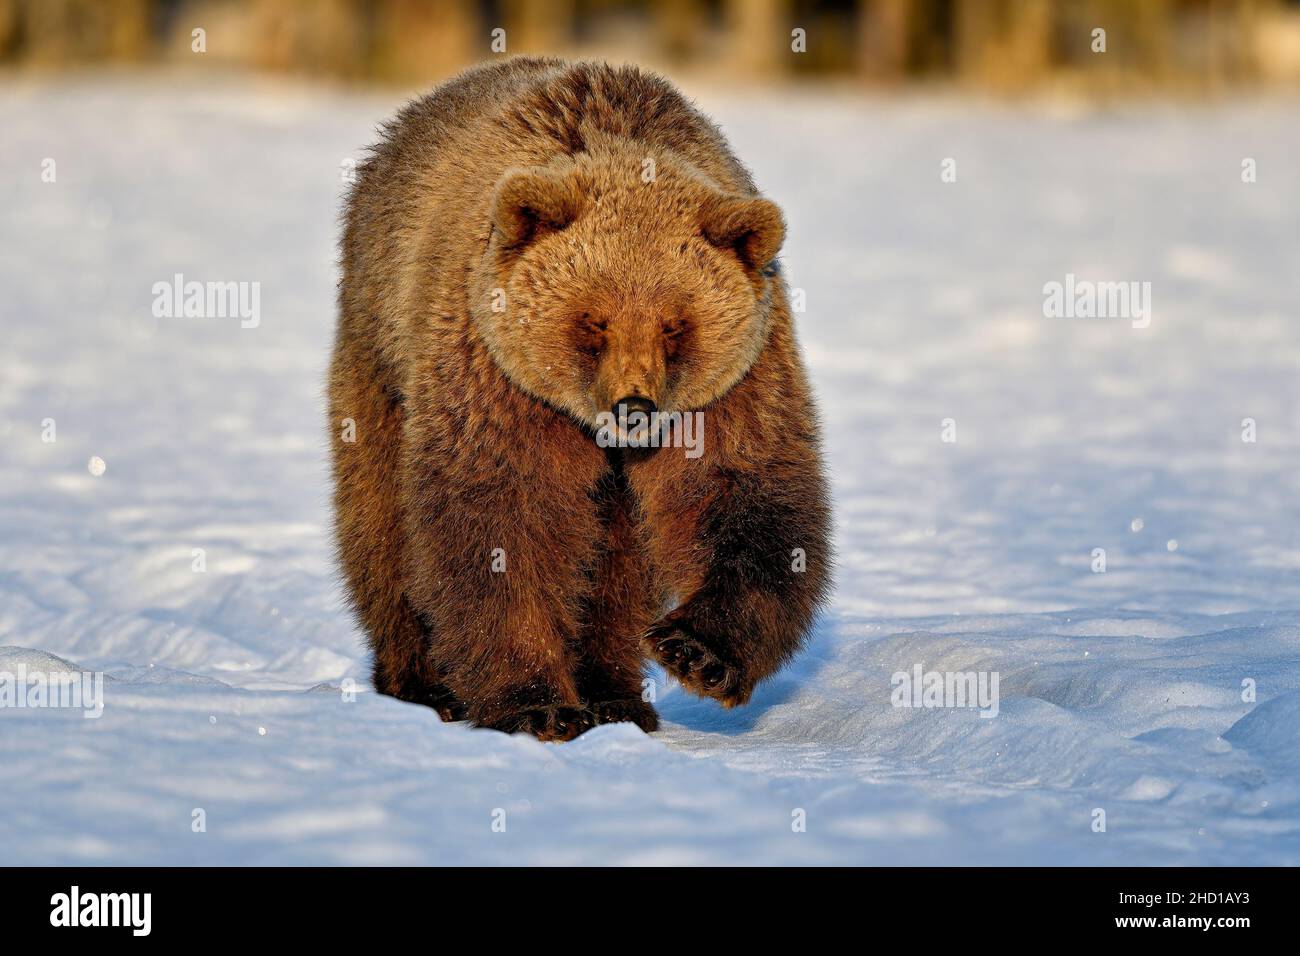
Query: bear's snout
{"type": "Point", "coordinates": [634, 416]}
{"type": "Point", "coordinates": [624, 407]}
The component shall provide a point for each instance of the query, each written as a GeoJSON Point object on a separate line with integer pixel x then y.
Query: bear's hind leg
{"type": "Point", "coordinates": [402, 668]}
{"type": "Point", "coordinates": [365, 423]}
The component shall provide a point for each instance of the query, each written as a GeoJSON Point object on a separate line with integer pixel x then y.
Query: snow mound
{"type": "Point", "coordinates": [14, 659]}
{"type": "Point", "coordinates": [1271, 731]}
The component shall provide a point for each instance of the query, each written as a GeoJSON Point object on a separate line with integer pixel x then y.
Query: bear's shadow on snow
{"type": "Point", "coordinates": [680, 707]}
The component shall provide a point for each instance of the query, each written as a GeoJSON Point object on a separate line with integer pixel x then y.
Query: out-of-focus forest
{"type": "Point", "coordinates": [1003, 45]}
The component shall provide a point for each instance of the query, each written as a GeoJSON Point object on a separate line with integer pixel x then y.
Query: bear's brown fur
{"type": "Point", "coordinates": [530, 244]}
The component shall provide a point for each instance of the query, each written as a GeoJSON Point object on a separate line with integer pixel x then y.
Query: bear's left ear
{"type": "Point", "coordinates": [530, 201]}
{"type": "Point", "coordinates": [752, 228]}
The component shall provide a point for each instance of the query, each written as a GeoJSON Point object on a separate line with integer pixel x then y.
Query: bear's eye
{"type": "Point", "coordinates": [675, 336]}
{"type": "Point", "coordinates": [590, 323]}
{"type": "Point", "coordinates": [589, 331]}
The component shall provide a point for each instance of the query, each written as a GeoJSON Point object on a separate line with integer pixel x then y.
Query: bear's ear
{"type": "Point", "coordinates": [530, 201]}
{"type": "Point", "coordinates": [752, 228]}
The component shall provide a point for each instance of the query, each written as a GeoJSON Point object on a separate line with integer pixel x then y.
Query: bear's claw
{"type": "Point", "coordinates": [555, 723]}
{"type": "Point", "coordinates": [697, 668]}
{"type": "Point", "coordinates": [632, 710]}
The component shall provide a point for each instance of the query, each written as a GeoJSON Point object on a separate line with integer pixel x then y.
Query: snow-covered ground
{"type": "Point", "coordinates": [1119, 691]}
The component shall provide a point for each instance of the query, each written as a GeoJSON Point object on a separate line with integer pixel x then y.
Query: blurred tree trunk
{"type": "Point", "coordinates": [538, 26]}
{"type": "Point", "coordinates": [1150, 24]}
{"type": "Point", "coordinates": [1005, 44]}
{"type": "Point", "coordinates": [760, 36]}
{"type": "Point", "coordinates": [679, 26]}
{"type": "Point", "coordinates": [9, 28]}
{"type": "Point", "coordinates": [423, 41]}
{"type": "Point", "coordinates": [71, 32]}
{"type": "Point", "coordinates": [884, 34]}
{"type": "Point", "coordinates": [331, 39]}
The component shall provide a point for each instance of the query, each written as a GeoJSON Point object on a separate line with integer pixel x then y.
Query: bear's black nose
{"type": "Point", "coordinates": [624, 407]}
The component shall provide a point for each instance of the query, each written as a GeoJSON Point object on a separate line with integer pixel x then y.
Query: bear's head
{"type": "Point", "coordinates": [613, 285]}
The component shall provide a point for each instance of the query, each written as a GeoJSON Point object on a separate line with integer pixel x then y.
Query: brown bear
{"type": "Point", "coordinates": [540, 260]}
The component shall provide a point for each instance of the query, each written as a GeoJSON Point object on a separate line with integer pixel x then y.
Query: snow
{"type": "Point", "coordinates": [241, 690]}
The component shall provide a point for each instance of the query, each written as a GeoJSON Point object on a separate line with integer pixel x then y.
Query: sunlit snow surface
{"type": "Point", "coordinates": [1120, 692]}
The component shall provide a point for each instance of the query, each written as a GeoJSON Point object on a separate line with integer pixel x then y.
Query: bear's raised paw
{"type": "Point", "coordinates": [675, 645]}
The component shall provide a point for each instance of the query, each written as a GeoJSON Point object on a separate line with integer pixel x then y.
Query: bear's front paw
{"type": "Point", "coordinates": [632, 710]}
{"type": "Point", "coordinates": [554, 723]}
{"type": "Point", "coordinates": [697, 667]}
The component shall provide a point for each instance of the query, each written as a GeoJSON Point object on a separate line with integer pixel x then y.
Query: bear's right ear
{"type": "Point", "coordinates": [528, 202]}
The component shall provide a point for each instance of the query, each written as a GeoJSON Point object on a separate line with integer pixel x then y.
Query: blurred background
{"type": "Point", "coordinates": [1011, 46]}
